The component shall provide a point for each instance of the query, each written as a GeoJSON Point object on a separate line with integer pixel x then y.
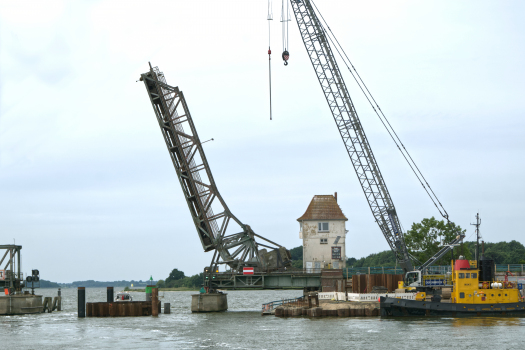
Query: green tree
{"type": "Point", "coordinates": [386, 258]}
{"type": "Point", "coordinates": [426, 238]}
{"type": "Point", "coordinates": [297, 253]}
{"type": "Point", "coordinates": [175, 275]}
{"type": "Point", "coordinates": [161, 284]}
{"type": "Point", "coordinates": [298, 264]}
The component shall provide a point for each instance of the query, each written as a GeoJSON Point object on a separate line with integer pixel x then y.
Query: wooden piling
{"type": "Point", "coordinates": [155, 301]}
{"type": "Point", "coordinates": [109, 295]}
{"type": "Point", "coordinates": [297, 312]}
{"type": "Point", "coordinates": [343, 312]}
{"type": "Point", "coordinates": [81, 304]}
{"type": "Point", "coordinates": [119, 309]}
{"type": "Point", "coordinates": [279, 312]}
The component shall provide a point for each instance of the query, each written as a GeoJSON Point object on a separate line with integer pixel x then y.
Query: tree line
{"type": "Point", "coordinates": [426, 238]}
{"type": "Point", "coordinates": [177, 279]}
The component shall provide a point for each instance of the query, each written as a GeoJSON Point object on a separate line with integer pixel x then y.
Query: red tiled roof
{"type": "Point", "coordinates": [323, 207]}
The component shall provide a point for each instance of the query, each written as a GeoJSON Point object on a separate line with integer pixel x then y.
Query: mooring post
{"type": "Point", "coordinates": [154, 301]}
{"type": "Point", "coordinates": [59, 303]}
{"type": "Point", "coordinates": [110, 294]}
{"type": "Point", "coordinates": [81, 302]}
{"type": "Point", "coordinates": [167, 309]}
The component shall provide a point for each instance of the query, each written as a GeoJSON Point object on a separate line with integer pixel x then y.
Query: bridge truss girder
{"type": "Point", "coordinates": [211, 216]}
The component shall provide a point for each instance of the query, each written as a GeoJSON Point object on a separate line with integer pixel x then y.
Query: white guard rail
{"type": "Point", "coordinates": [363, 297]}
{"type": "Point", "coordinates": [332, 295]}
{"type": "Point", "coordinates": [375, 297]}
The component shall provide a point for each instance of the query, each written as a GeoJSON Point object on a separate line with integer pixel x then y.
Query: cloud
{"type": "Point", "coordinates": [85, 174]}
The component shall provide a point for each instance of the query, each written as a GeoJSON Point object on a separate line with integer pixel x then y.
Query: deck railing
{"type": "Point", "coordinates": [431, 270]}
{"type": "Point", "coordinates": [295, 302]}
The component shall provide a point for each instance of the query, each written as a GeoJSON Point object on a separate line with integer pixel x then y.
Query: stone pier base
{"type": "Point", "coordinates": [20, 304]}
{"type": "Point", "coordinates": [212, 302]}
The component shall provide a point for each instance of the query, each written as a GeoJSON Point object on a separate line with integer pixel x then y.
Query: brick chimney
{"type": "Point", "coordinates": [335, 195]}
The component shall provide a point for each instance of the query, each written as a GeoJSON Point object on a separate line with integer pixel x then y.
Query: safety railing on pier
{"type": "Point", "coordinates": [348, 272]}
{"type": "Point", "coordinates": [295, 302]}
{"type": "Point", "coordinates": [282, 271]}
{"type": "Point", "coordinates": [393, 270]}
{"type": "Point", "coordinates": [431, 270]}
{"type": "Point", "coordinates": [514, 268]}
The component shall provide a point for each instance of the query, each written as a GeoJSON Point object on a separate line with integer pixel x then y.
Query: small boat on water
{"type": "Point", "coordinates": [123, 296]}
{"type": "Point", "coordinates": [475, 292]}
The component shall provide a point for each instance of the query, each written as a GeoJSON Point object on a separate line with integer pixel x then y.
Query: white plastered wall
{"type": "Point", "coordinates": [314, 251]}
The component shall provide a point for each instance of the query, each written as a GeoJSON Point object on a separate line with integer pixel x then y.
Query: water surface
{"type": "Point", "coordinates": [242, 327]}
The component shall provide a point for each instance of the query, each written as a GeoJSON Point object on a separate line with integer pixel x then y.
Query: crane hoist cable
{"type": "Point", "coordinates": [401, 147]}
{"type": "Point", "coordinates": [285, 18]}
{"type": "Point", "coordinates": [270, 18]}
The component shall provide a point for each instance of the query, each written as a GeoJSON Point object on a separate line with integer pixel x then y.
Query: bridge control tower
{"type": "Point", "coordinates": [323, 231]}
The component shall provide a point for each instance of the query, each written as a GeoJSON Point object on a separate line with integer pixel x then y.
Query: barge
{"type": "Point", "coordinates": [401, 308]}
{"type": "Point", "coordinates": [475, 293]}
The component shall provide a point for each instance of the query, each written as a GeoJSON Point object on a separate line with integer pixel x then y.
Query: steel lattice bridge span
{"type": "Point", "coordinates": [288, 279]}
{"type": "Point", "coordinates": [234, 243]}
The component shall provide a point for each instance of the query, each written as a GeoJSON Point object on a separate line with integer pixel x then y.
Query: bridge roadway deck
{"type": "Point", "coordinates": [271, 280]}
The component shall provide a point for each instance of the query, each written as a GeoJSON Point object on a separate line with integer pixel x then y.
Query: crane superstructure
{"type": "Point", "coordinates": [350, 128]}
{"type": "Point", "coordinates": [356, 143]}
{"type": "Point", "coordinates": [211, 216]}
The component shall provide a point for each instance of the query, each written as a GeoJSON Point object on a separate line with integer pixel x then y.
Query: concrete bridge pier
{"type": "Point", "coordinates": [209, 302]}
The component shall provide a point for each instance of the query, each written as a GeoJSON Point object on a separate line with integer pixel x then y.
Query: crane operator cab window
{"type": "Point", "coordinates": [412, 277]}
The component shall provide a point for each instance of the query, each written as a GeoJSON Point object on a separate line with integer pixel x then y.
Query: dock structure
{"type": "Point", "coordinates": [117, 308]}
{"type": "Point", "coordinates": [121, 309]}
{"type": "Point", "coordinates": [323, 308]}
{"type": "Point", "coordinates": [20, 304]}
{"type": "Point", "coordinates": [14, 300]}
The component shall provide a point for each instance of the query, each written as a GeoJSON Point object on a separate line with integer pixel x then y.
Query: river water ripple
{"type": "Point", "coordinates": [242, 327]}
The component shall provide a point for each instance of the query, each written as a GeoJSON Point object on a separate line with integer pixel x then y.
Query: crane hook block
{"type": "Point", "coordinates": [286, 56]}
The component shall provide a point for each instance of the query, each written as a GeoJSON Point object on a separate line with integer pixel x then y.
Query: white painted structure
{"type": "Point", "coordinates": [323, 231]}
{"type": "Point", "coordinates": [364, 297]}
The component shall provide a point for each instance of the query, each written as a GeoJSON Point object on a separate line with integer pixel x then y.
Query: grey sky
{"type": "Point", "coordinates": [86, 183]}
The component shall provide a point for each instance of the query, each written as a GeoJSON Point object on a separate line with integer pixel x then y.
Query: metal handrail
{"type": "Point", "coordinates": [431, 270]}
{"type": "Point", "coordinates": [299, 301]}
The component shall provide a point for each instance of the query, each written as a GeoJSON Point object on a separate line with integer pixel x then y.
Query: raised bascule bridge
{"type": "Point", "coordinates": [253, 261]}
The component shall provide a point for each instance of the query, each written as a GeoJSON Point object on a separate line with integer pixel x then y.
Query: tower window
{"type": "Point", "coordinates": [324, 240]}
{"type": "Point", "coordinates": [323, 227]}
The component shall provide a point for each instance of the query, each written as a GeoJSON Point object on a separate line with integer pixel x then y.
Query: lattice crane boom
{"type": "Point", "coordinates": [349, 125]}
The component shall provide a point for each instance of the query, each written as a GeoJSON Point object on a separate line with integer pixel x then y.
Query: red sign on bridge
{"type": "Point", "coordinates": [247, 270]}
